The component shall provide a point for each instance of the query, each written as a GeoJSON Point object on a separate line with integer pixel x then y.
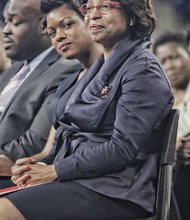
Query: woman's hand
{"type": "Point", "coordinates": [27, 171]}
{"type": "Point", "coordinates": [183, 152]}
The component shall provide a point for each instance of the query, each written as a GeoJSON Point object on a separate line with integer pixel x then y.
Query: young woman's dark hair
{"type": "Point", "coordinates": [141, 16]}
{"type": "Point", "coordinates": [48, 5]}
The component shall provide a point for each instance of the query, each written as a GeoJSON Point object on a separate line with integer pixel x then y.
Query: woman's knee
{"type": "Point", "coordinates": [8, 211]}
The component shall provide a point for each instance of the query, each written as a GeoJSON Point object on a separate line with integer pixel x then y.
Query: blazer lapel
{"type": "Point", "coordinates": [104, 70]}
{"type": "Point", "coordinates": [43, 66]}
{"type": "Point", "coordinates": [8, 74]}
{"type": "Point", "coordinates": [63, 87]}
{"type": "Point", "coordinates": [88, 76]}
{"type": "Point", "coordinates": [88, 94]}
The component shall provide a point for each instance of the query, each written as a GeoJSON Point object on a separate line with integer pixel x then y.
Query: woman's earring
{"type": "Point", "coordinates": [131, 22]}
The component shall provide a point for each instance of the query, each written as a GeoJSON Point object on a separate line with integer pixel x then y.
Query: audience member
{"type": "Point", "coordinates": [182, 176]}
{"type": "Point", "coordinates": [172, 50]}
{"type": "Point", "coordinates": [83, 48]}
{"type": "Point", "coordinates": [103, 157]}
{"type": "Point", "coordinates": [24, 101]}
{"type": "Point", "coordinates": [182, 169]}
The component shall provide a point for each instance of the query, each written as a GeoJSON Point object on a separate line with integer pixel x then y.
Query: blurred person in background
{"type": "Point", "coordinates": [182, 176]}
{"type": "Point", "coordinates": [182, 169]}
{"type": "Point", "coordinates": [172, 50]}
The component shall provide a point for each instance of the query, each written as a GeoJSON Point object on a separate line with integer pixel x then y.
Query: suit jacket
{"type": "Point", "coordinates": [25, 124]}
{"type": "Point", "coordinates": [61, 97]}
{"type": "Point", "coordinates": [109, 138]}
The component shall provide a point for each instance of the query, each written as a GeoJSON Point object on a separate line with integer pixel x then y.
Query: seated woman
{"type": "Point", "coordinates": [105, 159]}
{"type": "Point", "coordinates": [81, 47]}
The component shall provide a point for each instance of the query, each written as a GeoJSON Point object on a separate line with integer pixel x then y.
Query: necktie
{"type": "Point", "coordinates": [12, 86]}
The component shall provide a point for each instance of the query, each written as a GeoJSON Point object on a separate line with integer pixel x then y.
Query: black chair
{"type": "Point", "coordinates": [167, 158]}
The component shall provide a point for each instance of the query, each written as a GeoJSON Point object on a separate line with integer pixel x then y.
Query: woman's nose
{"type": "Point", "coordinates": [95, 13]}
{"type": "Point", "coordinates": [60, 35]}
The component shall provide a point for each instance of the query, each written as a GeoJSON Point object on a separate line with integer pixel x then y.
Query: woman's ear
{"type": "Point", "coordinates": [131, 21]}
{"type": "Point", "coordinates": [43, 25]}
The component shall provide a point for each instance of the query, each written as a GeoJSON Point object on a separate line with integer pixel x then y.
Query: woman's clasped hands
{"type": "Point", "coordinates": [28, 171]}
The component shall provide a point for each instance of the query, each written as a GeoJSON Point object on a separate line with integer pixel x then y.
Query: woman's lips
{"type": "Point", "coordinates": [96, 27]}
{"type": "Point", "coordinates": [64, 46]}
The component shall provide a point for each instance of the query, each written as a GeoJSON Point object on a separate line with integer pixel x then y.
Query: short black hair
{"type": "Point", "coordinates": [48, 5]}
{"type": "Point", "coordinates": [167, 37]}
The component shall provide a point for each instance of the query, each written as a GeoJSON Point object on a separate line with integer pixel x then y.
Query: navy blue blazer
{"type": "Point", "coordinates": [61, 97]}
{"type": "Point", "coordinates": [109, 134]}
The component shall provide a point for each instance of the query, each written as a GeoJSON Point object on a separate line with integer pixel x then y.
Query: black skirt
{"type": "Point", "coordinates": [71, 201]}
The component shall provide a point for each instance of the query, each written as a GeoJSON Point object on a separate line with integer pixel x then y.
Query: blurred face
{"type": "Point", "coordinates": [21, 31]}
{"type": "Point", "coordinates": [106, 28]}
{"type": "Point", "coordinates": [68, 33]}
{"type": "Point", "coordinates": [176, 62]}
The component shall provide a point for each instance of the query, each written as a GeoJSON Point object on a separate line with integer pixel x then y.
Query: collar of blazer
{"type": "Point", "coordinates": [106, 74]}
{"type": "Point", "coordinates": [10, 72]}
{"type": "Point", "coordinates": [51, 58]}
{"type": "Point", "coordinates": [65, 85]}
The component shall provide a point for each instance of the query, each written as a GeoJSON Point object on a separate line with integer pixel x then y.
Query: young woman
{"type": "Point", "coordinates": [104, 164]}
{"type": "Point", "coordinates": [66, 28]}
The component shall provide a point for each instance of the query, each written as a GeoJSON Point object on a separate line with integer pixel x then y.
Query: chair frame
{"type": "Point", "coordinates": [167, 158]}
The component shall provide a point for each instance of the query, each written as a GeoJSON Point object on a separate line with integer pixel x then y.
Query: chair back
{"type": "Point", "coordinates": [167, 159]}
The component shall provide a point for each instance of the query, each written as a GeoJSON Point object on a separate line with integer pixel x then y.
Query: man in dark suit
{"type": "Point", "coordinates": [24, 117]}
